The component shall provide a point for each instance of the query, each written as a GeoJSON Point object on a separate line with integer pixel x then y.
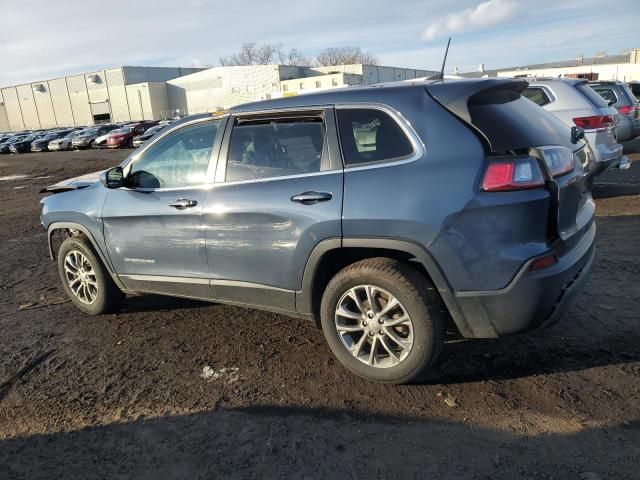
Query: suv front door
{"type": "Point", "coordinates": [153, 227]}
{"type": "Point", "coordinates": [278, 193]}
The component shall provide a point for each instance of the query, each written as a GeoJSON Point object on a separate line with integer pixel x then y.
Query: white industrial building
{"type": "Point", "coordinates": [223, 87]}
{"type": "Point", "coordinates": [146, 93]}
{"type": "Point", "coordinates": [623, 66]}
{"type": "Point", "coordinates": [114, 94]}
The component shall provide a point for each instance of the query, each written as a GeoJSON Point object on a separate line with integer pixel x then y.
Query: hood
{"type": "Point", "coordinates": [75, 183]}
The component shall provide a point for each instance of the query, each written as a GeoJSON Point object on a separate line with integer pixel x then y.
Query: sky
{"type": "Point", "coordinates": [42, 39]}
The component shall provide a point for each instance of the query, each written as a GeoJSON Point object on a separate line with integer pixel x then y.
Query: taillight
{"type": "Point", "coordinates": [627, 110]}
{"type": "Point", "coordinates": [560, 160]}
{"type": "Point", "coordinates": [507, 174]}
{"type": "Point", "coordinates": [594, 123]}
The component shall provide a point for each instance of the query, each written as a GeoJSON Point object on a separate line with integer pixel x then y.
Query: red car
{"type": "Point", "coordinates": [123, 137]}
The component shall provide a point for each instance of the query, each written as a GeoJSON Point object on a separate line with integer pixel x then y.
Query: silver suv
{"type": "Point", "coordinates": [576, 104]}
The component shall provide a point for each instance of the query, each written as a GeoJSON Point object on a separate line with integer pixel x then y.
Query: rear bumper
{"type": "Point", "coordinates": [532, 299]}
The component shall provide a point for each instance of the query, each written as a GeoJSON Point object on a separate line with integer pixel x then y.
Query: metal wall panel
{"type": "Point", "coordinates": [148, 101]}
{"type": "Point", "coordinates": [28, 106]}
{"type": "Point", "coordinates": [4, 118]}
{"type": "Point", "coordinates": [12, 106]}
{"type": "Point", "coordinates": [222, 87]}
{"type": "Point", "coordinates": [96, 87]}
{"type": "Point", "coordinates": [61, 102]}
{"type": "Point", "coordinates": [114, 79]}
{"type": "Point", "coordinates": [44, 106]}
{"type": "Point", "coordinates": [79, 100]}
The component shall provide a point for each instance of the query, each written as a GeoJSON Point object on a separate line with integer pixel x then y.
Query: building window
{"type": "Point", "coordinates": [334, 82]}
{"type": "Point", "coordinates": [285, 88]}
{"type": "Point", "coordinates": [301, 85]}
{"type": "Point", "coordinates": [318, 83]}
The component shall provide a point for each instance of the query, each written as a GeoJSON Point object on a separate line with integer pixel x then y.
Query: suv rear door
{"type": "Point", "coordinates": [278, 194]}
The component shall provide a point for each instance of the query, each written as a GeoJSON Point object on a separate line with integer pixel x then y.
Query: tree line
{"type": "Point", "coordinates": [274, 53]}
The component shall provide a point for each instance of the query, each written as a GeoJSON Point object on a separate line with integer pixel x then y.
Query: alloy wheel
{"type": "Point", "coordinates": [374, 326]}
{"type": "Point", "coordinates": [81, 277]}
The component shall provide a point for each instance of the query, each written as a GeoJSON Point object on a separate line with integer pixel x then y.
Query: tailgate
{"type": "Point", "coordinates": [510, 124]}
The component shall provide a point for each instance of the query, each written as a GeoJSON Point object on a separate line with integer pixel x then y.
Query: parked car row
{"type": "Point", "coordinates": [607, 112]}
{"type": "Point", "coordinates": [120, 135]}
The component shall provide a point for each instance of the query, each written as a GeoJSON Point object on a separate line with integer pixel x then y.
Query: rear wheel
{"type": "Point", "coordinates": [380, 319]}
{"type": "Point", "coordinates": [85, 279]}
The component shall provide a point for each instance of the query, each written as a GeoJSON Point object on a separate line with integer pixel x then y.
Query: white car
{"type": "Point", "coordinates": [62, 143]}
{"type": "Point", "coordinates": [101, 141]}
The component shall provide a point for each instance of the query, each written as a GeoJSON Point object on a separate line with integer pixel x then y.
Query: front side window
{"type": "Point", "coordinates": [371, 135]}
{"type": "Point", "coordinates": [537, 95]}
{"type": "Point", "coordinates": [275, 148]}
{"type": "Point", "coordinates": [180, 159]}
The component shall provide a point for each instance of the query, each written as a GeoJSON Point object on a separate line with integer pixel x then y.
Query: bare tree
{"type": "Point", "coordinates": [269, 53]}
{"type": "Point", "coordinates": [345, 56]}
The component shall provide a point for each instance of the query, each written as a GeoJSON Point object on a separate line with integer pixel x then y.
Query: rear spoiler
{"type": "Point", "coordinates": [455, 96]}
{"type": "Point", "coordinates": [496, 111]}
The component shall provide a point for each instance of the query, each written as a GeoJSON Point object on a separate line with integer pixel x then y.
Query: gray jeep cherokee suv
{"type": "Point", "coordinates": [382, 213]}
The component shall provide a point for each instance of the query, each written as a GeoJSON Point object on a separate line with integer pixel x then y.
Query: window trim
{"type": "Point", "coordinates": [329, 162]}
{"type": "Point", "coordinates": [213, 158]}
{"type": "Point", "coordinates": [417, 144]}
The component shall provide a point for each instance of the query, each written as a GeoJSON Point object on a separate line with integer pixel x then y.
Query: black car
{"type": "Point", "coordinates": [42, 144]}
{"type": "Point", "coordinates": [5, 147]}
{"type": "Point", "coordinates": [24, 144]}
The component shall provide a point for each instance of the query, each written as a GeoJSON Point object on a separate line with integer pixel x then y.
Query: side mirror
{"type": "Point", "coordinates": [113, 178]}
{"type": "Point", "coordinates": [577, 134]}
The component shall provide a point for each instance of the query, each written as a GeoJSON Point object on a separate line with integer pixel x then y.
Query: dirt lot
{"type": "Point", "coordinates": [123, 395]}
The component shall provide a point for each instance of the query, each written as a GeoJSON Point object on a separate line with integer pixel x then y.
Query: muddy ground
{"type": "Point", "coordinates": [123, 395]}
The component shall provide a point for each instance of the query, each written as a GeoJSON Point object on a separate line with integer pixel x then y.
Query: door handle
{"type": "Point", "coordinates": [183, 203]}
{"type": "Point", "coordinates": [309, 198]}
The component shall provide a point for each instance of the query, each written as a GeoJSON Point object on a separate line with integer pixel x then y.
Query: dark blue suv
{"type": "Point", "coordinates": [383, 213]}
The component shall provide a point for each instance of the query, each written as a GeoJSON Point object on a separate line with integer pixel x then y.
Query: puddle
{"type": "Point", "coordinates": [10, 178]}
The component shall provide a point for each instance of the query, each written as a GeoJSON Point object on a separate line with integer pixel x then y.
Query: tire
{"type": "Point", "coordinates": [417, 299]}
{"type": "Point", "coordinates": [105, 296]}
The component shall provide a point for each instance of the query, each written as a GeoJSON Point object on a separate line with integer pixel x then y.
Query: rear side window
{"type": "Point", "coordinates": [370, 135]}
{"type": "Point", "coordinates": [608, 94]}
{"type": "Point", "coordinates": [591, 95]}
{"type": "Point", "coordinates": [275, 148]}
{"type": "Point", "coordinates": [537, 95]}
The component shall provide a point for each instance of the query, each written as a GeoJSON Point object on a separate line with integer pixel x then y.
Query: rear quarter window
{"type": "Point", "coordinates": [537, 95]}
{"type": "Point", "coordinates": [370, 135]}
{"type": "Point", "coordinates": [592, 95]}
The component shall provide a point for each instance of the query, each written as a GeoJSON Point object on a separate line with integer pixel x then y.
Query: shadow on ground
{"type": "Point", "coordinates": [272, 442]}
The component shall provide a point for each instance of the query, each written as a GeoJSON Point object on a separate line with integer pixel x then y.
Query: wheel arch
{"type": "Point", "coordinates": [330, 256]}
{"type": "Point", "coordinates": [58, 226]}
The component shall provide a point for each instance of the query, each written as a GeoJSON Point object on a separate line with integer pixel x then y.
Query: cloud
{"type": "Point", "coordinates": [486, 14]}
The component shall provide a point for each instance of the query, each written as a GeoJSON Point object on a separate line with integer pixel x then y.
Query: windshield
{"type": "Point", "coordinates": [86, 133]}
{"type": "Point", "coordinates": [154, 130]}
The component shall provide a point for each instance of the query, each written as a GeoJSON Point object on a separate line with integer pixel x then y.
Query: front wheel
{"type": "Point", "coordinates": [85, 279]}
{"type": "Point", "coordinates": [380, 319]}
